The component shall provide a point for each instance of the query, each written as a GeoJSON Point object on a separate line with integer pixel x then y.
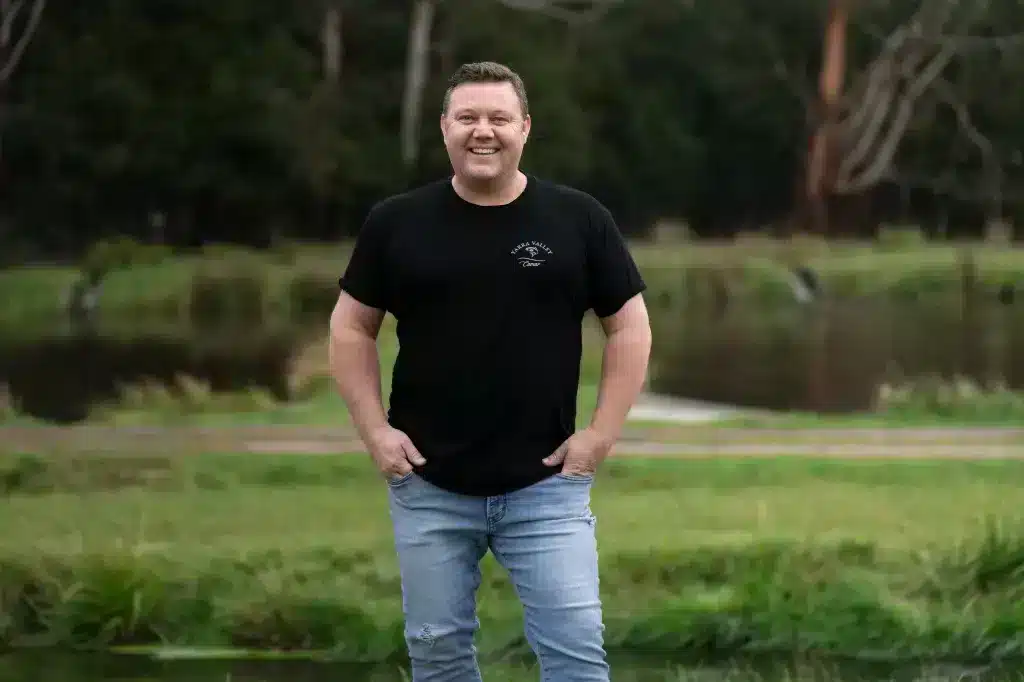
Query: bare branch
{"type": "Point", "coordinates": [904, 113]}
{"type": "Point", "coordinates": [963, 44]}
{"type": "Point", "coordinates": [990, 162]}
{"type": "Point", "coordinates": [15, 53]}
{"type": "Point", "coordinates": [880, 108]}
{"type": "Point", "coordinates": [9, 10]}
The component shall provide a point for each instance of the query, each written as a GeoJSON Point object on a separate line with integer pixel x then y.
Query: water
{"type": "Point", "coordinates": [831, 358]}
{"type": "Point", "coordinates": [822, 357]}
{"type": "Point", "coordinates": [95, 668]}
{"type": "Point", "coordinates": [61, 375]}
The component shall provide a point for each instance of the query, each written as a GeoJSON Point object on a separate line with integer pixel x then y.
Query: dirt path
{"type": "Point", "coordinates": [681, 441]}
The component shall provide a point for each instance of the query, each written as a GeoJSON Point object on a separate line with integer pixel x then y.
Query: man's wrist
{"type": "Point", "coordinates": [606, 434]}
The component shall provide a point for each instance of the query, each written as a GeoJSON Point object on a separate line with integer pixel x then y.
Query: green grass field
{"type": "Point", "coordinates": [90, 668]}
{"type": "Point", "coordinates": [874, 559]}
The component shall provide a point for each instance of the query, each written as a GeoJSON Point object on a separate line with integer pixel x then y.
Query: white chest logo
{"type": "Point", "coordinates": [531, 254]}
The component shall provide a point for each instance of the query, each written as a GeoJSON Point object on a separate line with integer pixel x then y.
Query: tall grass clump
{"type": "Point", "coordinates": [773, 598]}
{"type": "Point", "coordinates": [294, 553]}
{"type": "Point", "coordinates": [959, 398]}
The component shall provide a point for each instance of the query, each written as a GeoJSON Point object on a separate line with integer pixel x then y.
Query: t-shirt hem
{"type": "Point", "coordinates": [478, 490]}
{"type": "Point", "coordinates": [360, 295]}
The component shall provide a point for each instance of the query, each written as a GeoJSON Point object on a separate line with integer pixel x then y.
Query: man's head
{"type": "Point", "coordinates": [485, 122]}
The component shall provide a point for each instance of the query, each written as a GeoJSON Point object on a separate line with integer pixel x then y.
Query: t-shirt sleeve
{"type": "Point", "coordinates": [366, 275]}
{"type": "Point", "coordinates": [613, 275]}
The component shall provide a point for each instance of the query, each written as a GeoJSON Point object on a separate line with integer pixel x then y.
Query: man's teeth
{"type": "Point", "coordinates": [484, 152]}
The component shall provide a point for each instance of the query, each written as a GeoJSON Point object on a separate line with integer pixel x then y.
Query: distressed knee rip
{"type": "Point", "coordinates": [426, 636]}
{"type": "Point", "coordinates": [434, 642]}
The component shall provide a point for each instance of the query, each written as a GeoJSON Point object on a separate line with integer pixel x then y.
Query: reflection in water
{"type": "Point", "coordinates": [61, 376]}
{"type": "Point", "coordinates": [822, 357]}
{"type": "Point", "coordinates": [832, 357]}
{"type": "Point", "coordinates": [21, 668]}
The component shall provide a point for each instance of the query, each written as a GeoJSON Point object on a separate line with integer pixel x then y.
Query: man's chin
{"type": "Point", "coordinates": [481, 176]}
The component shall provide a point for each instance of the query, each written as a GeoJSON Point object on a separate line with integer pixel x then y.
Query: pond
{"type": "Point", "coordinates": [60, 375]}
{"type": "Point", "coordinates": [822, 357]}
{"type": "Point", "coordinates": [832, 357]}
{"type": "Point", "coordinates": [21, 668]}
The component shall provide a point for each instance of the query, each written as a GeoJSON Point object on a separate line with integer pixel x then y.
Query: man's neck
{"type": "Point", "coordinates": [493, 193]}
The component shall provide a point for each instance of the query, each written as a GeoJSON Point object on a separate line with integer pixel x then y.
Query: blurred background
{"type": "Point", "coordinates": [826, 198]}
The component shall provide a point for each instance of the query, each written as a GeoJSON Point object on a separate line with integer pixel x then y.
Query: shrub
{"type": "Point", "coordinates": [960, 398]}
{"type": "Point", "coordinates": [121, 252]}
{"type": "Point", "coordinates": [233, 289]}
{"type": "Point", "coordinates": [312, 296]}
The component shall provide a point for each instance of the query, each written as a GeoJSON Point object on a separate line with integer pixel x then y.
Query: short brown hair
{"type": "Point", "coordinates": [486, 72]}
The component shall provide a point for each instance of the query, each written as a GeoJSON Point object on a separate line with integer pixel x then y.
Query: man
{"type": "Point", "coordinates": [489, 274]}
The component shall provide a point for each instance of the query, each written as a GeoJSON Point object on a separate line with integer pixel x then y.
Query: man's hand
{"type": "Point", "coordinates": [393, 452]}
{"type": "Point", "coordinates": [582, 453]}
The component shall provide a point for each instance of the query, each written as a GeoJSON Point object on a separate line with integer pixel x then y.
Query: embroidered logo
{"type": "Point", "coordinates": [531, 254]}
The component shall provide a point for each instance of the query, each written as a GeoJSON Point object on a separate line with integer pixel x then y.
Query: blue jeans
{"type": "Point", "coordinates": [543, 535]}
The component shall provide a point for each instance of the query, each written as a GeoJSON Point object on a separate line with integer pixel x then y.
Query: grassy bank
{"type": "Point", "coordinates": [91, 667]}
{"type": "Point", "coordinates": [221, 281]}
{"type": "Point", "coordinates": [876, 559]}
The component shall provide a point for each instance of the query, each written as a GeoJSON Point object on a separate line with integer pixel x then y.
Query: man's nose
{"type": "Point", "coordinates": [483, 128]}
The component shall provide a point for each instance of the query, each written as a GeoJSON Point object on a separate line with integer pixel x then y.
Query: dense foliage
{"type": "Point", "coordinates": [185, 121]}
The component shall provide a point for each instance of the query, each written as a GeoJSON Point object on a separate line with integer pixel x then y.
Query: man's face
{"type": "Point", "coordinates": [484, 131]}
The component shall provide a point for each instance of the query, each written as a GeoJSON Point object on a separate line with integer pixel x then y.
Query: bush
{"type": "Point", "coordinates": [121, 252]}
{"type": "Point", "coordinates": [312, 296]}
{"type": "Point", "coordinates": [233, 289]}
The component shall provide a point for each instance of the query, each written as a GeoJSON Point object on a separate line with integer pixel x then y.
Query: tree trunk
{"type": "Point", "coordinates": [332, 42]}
{"type": "Point", "coordinates": [820, 154]}
{"type": "Point", "coordinates": [417, 71]}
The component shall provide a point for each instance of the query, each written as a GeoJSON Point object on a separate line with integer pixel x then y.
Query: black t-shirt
{"type": "Point", "coordinates": [489, 303]}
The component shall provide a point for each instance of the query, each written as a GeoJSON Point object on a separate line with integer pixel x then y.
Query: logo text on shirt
{"type": "Point", "coordinates": [531, 254]}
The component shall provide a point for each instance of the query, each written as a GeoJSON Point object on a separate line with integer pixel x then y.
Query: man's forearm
{"type": "Point", "coordinates": [355, 366]}
{"type": "Point", "coordinates": [623, 372]}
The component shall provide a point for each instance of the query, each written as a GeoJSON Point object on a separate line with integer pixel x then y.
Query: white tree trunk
{"type": "Point", "coordinates": [333, 47]}
{"type": "Point", "coordinates": [417, 71]}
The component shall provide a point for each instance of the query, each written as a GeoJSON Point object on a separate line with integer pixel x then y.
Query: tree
{"type": "Point", "coordinates": [418, 54]}
{"type": "Point", "coordinates": [861, 129]}
{"type": "Point", "coordinates": [16, 30]}
{"type": "Point", "coordinates": [13, 42]}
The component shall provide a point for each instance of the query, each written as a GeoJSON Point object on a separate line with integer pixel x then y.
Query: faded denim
{"type": "Point", "coordinates": [543, 535]}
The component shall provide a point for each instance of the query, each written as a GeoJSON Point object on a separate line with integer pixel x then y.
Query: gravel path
{"type": "Point", "coordinates": [692, 441]}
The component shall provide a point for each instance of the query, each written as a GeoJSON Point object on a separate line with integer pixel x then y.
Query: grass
{"type": "Point", "coordinates": [301, 280]}
{"type": "Point", "coordinates": [872, 559]}
{"type": "Point", "coordinates": [86, 669]}
{"type": "Point", "coordinates": [151, 282]}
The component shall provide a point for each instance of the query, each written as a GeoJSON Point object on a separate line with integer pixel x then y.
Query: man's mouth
{"type": "Point", "coordinates": [483, 151]}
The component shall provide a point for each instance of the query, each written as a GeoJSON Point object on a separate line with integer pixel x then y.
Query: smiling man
{"type": "Point", "coordinates": [489, 274]}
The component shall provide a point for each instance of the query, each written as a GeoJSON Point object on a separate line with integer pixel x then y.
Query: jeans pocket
{"type": "Point", "coordinates": [575, 478]}
{"type": "Point", "coordinates": [404, 478]}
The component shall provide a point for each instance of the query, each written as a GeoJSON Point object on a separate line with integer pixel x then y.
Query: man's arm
{"type": "Point", "coordinates": [627, 353]}
{"type": "Point", "coordinates": [355, 362]}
